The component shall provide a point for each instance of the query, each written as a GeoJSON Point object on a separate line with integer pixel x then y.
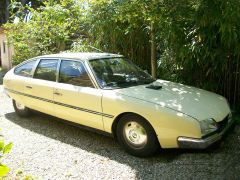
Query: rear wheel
{"type": "Point", "coordinates": [20, 109]}
{"type": "Point", "coordinates": [137, 136]}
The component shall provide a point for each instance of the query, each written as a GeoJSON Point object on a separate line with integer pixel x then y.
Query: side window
{"type": "Point", "coordinates": [25, 69]}
{"type": "Point", "coordinates": [73, 72]}
{"type": "Point", "coordinates": [46, 69]}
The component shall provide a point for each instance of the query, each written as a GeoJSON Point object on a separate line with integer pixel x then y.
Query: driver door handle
{"type": "Point", "coordinates": [29, 87]}
{"type": "Point", "coordinates": [57, 93]}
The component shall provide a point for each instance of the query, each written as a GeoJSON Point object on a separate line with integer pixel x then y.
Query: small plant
{"type": "Point", "coordinates": [4, 149]}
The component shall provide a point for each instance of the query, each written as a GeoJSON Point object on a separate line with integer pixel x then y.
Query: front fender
{"type": "Point", "coordinates": [167, 123]}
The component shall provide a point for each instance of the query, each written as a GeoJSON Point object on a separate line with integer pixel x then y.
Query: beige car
{"type": "Point", "coordinates": [108, 93]}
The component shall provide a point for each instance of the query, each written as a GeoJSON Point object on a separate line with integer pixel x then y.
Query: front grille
{"type": "Point", "coordinates": [222, 124]}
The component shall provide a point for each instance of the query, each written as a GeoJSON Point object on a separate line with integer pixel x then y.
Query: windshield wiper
{"type": "Point", "coordinates": [123, 84]}
{"type": "Point", "coordinates": [120, 84]}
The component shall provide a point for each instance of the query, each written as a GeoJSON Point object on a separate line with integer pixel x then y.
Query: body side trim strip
{"type": "Point", "coordinates": [61, 104]}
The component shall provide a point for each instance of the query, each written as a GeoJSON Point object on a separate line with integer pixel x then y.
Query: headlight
{"type": "Point", "coordinates": [208, 126]}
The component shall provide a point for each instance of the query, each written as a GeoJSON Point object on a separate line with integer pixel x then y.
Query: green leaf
{"type": "Point", "coordinates": [3, 170]}
{"type": "Point", "coordinates": [7, 148]}
{"type": "Point", "coordinates": [1, 145]}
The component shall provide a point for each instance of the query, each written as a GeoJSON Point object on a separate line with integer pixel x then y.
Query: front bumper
{"type": "Point", "coordinates": [193, 143]}
{"type": "Point", "coordinates": [5, 92]}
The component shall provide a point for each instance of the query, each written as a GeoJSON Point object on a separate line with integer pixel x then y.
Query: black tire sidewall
{"type": "Point", "coordinates": [21, 112]}
{"type": "Point", "coordinates": [152, 144]}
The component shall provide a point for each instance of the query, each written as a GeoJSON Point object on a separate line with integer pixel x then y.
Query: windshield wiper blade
{"type": "Point", "coordinates": [147, 82]}
{"type": "Point", "coordinates": [155, 87]}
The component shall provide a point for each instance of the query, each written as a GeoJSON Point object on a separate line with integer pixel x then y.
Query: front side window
{"type": "Point", "coordinates": [46, 70]}
{"type": "Point", "coordinates": [118, 73]}
{"type": "Point", "coordinates": [25, 69]}
{"type": "Point", "coordinates": [73, 72]}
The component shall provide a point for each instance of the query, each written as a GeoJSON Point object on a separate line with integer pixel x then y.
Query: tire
{"type": "Point", "coordinates": [21, 110]}
{"type": "Point", "coordinates": [137, 136]}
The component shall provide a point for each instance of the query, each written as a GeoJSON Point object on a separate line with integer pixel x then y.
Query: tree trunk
{"type": "Point", "coordinates": [4, 13]}
{"type": "Point", "coordinates": [7, 11]}
{"type": "Point", "coordinates": [153, 52]}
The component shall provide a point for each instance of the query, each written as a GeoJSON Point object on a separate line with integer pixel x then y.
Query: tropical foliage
{"type": "Point", "coordinates": [193, 42]}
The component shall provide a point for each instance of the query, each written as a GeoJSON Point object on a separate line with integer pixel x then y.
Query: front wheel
{"type": "Point", "coordinates": [137, 136]}
{"type": "Point", "coordinates": [20, 109]}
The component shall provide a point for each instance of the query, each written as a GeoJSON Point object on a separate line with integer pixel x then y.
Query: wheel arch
{"type": "Point", "coordinates": [116, 120]}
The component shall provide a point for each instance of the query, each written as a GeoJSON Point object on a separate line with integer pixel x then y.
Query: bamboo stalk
{"type": "Point", "coordinates": [235, 86]}
{"type": "Point", "coordinates": [153, 52]}
{"type": "Point", "coordinates": [229, 80]}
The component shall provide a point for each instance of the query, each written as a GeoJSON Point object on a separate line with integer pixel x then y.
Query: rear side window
{"type": "Point", "coordinates": [25, 69]}
{"type": "Point", "coordinates": [46, 70]}
{"type": "Point", "coordinates": [73, 72]}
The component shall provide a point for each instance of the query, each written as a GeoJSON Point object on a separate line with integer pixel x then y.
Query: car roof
{"type": "Point", "coordinates": [82, 56]}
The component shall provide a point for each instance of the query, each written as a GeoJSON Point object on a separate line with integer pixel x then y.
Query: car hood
{"type": "Point", "coordinates": [194, 102]}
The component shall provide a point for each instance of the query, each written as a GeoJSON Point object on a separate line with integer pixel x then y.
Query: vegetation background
{"type": "Point", "coordinates": [196, 42]}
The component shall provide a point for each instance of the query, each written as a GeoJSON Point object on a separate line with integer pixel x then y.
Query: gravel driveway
{"type": "Point", "coordinates": [47, 148]}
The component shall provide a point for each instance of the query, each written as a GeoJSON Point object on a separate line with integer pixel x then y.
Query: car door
{"type": "Point", "coordinates": [16, 84]}
{"type": "Point", "coordinates": [76, 98]}
{"type": "Point", "coordinates": [40, 88]}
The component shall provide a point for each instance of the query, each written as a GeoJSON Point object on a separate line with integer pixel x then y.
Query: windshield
{"type": "Point", "coordinates": [119, 73]}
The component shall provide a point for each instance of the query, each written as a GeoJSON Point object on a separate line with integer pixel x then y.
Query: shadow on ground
{"type": "Point", "coordinates": [220, 161]}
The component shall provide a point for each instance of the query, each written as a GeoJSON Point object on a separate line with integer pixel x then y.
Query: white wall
{"type": "Point", "coordinates": [6, 57]}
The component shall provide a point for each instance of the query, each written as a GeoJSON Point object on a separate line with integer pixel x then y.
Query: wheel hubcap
{"type": "Point", "coordinates": [135, 134]}
{"type": "Point", "coordinates": [20, 106]}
